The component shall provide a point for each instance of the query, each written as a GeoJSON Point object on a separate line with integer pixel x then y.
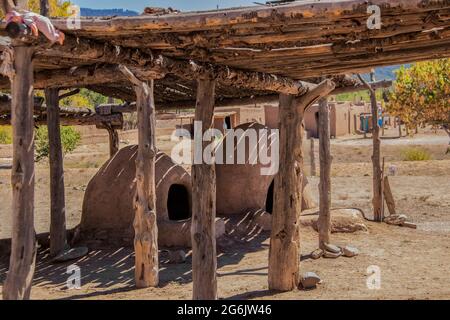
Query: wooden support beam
{"type": "Point", "coordinates": [116, 120]}
{"type": "Point", "coordinates": [58, 239]}
{"type": "Point", "coordinates": [375, 85]}
{"type": "Point", "coordinates": [324, 222]}
{"type": "Point", "coordinates": [69, 94]}
{"type": "Point", "coordinates": [158, 67]}
{"type": "Point", "coordinates": [377, 201]}
{"type": "Point", "coordinates": [388, 196]}
{"type": "Point", "coordinates": [284, 254]}
{"type": "Point", "coordinates": [204, 257]}
{"type": "Point", "coordinates": [23, 247]}
{"type": "Point", "coordinates": [44, 8]}
{"type": "Point", "coordinates": [231, 77]}
{"type": "Point", "coordinates": [312, 156]}
{"type": "Point", "coordinates": [114, 142]}
{"type": "Point", "coordinates": [146, 230]}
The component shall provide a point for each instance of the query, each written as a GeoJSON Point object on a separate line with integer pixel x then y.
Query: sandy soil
{"type": "Point", "coordinates": [413, 263]}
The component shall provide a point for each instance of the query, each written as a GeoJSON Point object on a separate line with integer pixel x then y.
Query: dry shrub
{"type": "Point", "coordinates": [415, 154]}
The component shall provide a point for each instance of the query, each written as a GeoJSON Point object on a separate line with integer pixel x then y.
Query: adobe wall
{"type": "Point", "coordinates": [108, 202]}
{"type": "Point", "coordinates": [311, 121]}
{"type": "Point", "coordinates": [246, 114]}
{"type": "Point", "coordinates": [272, 116]}
{"type": "Point", "coordinates": [241, 187]}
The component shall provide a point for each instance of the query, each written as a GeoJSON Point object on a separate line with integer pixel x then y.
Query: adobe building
{"type": "Point", "coordinates": [227, 118]}
{"type": "Point", "coordinates": [108, 206]}
{"type": "Point", "coordinates": [242, 187]}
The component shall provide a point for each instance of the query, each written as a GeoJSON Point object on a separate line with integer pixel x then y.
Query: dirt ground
{"type": "Point", "coordinates": [413, 263]}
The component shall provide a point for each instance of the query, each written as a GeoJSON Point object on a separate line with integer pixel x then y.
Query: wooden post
{"type": "Point", "coordinates": [23, 245]}
{"type": "Point", "coordinates": [388, 196]}
{"type": "Point", "coordinates": [44, 8]}
{"type": "Point", "coordinates": [284, 254]}
{"type": "Point", "coordinates": [57, 197]}
{"type": "Point", "coordinates": [146, 230]}
{"type": "Point", "coordinates": [324, 222]}
{"type": "Point", "coordinates": [377, 200]}
{"type": "Point", "coordinates": [312, 156]}
{"type": "Point", "coordinates": [114, 142]}
{"type": "Point", "coordinates": [204, 258]}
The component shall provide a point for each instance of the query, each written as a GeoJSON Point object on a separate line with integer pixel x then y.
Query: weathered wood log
{"type": "Point", "coordinates": [69, 94]}
{"type": "Point", "coordinates": [113, 140]}
{"type": "Point", "coordinates": [284, 254]}
{"type": "Point", "coordinates": [324, 221]}
{"type": "Point", "coordinates": [115, 120]}
{"type": "Point", "coordinates": [146, 229]}
{"type": "Point", "coordinates": [312, 156]}
{"type": "Point", "coordinates": [58, 238]}
{"type": "Point", "coordinates": [298, 12]}
{"type": "Point", "coordinates": [5, 104]}
{"type": "Point", "coordinates": [204, 259]}
{"type": "Point", "coordinates": [388, 196]}
{"type": "Point", "coordinates": [44, 8]}
{"type": "Point", "coordinates": [377, 201]}
{"type": "Point", "coordinates": [23, 247]}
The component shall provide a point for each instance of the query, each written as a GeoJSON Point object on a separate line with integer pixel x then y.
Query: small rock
{"type": "Point", "coordinates": [331, 255]}
{"type": "Point", "coordinates": [310, 280]}
{"type": "Point", "coordinates": [396, 219]}
{"type": "Point", "coordinates": [177, 257]}
{"type": "Point", "coordinates": [316, 254]}
{"type": "Point", "coordinates": [350, 252]}
{"type": "Point", "coordinates": [71, 254]}
{"type": "Point", "coordinates": [332, 248]}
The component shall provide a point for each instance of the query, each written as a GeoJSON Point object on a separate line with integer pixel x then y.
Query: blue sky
{"type": "Point", "coordinates": [183, 5]}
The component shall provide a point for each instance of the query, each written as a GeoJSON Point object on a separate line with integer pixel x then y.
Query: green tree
{"type": "Point", "coordinates": [421, 95]}
{"type": "Point", "coordinates": [58, 8]}
{"type": "Point", "coordinates": [70, 139]}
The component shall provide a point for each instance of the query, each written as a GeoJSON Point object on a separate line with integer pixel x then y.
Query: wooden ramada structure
{"type": "Point", "coordinates": [204, 59]}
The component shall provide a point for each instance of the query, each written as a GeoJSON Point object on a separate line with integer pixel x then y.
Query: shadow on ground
{"type": "Point", "coordinates": [111, 270]}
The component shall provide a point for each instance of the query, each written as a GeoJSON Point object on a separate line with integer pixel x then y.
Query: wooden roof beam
{"type": "Point", "coordinates": [157, 67]}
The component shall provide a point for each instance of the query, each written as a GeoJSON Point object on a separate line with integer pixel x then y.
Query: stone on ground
{"type": "Point", "coordinates": [331, 255]}
{"type": "Point", "coordinates": [332, 248]}
{"type": "Point", "coordinates": [396, 219]}
{"type": "Point", "coordinates": [310, 280]}
{"type": "Point", "coordinates": [350, 252]}
{"type": "Point", "coordinates": [316, 254]}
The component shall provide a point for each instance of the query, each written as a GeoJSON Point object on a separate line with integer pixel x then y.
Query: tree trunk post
{"type": "Point", "coordinates": [388, 196]}
{"type": "Point", "coordinates": [324, 222]}
{"type": "Point", "coordinates": [446, 128]}
{"type": "Point", "coordinates": [57, 197]}
{"type": "Point", "coordinates": [145, 226]}
{"type": "Point", "coordinates": [377, 200]}
{"type": "Point", "coordinates": [114, 142]}
{"type": "Point", "coordinates": [44, 8]}
{"type": "Point", "coordinates": [284, 253]}
{"type": "Point", "coordinates": [23, 245]}
{"type": "Point", "coordinates": [204, 257]}
{"type": "Point", "coordinates": [312, 155]}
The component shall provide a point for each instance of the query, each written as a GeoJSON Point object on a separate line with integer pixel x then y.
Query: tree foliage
{"type": "Point", "coordinates": [70, 139]}
{"type": "Point", "coordinates": [421, 94]}
{"type": "Point", "coordinates": [58, 8]}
